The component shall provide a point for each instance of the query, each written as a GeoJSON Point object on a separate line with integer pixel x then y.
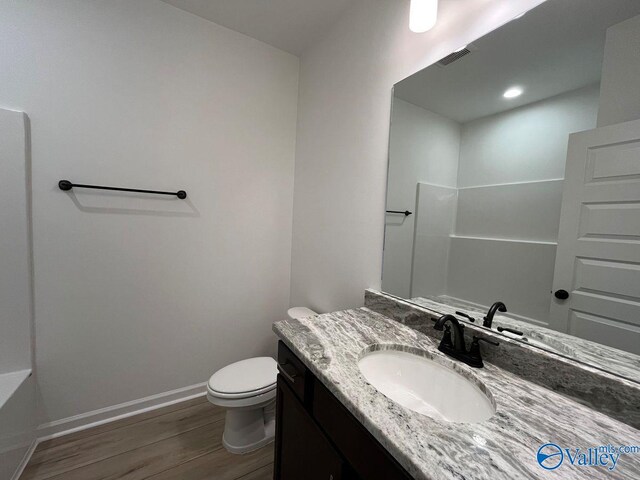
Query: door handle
{"type": "Point", "coordinates": [561, 294]}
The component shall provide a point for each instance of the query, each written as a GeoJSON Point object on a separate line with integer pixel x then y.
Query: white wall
{"type": "Point", "coordinates": [527, 143]}
{"type": "Point", "coordinates": [343, 133]}
{"type": "Point", "coordinates": [620, 96]}
{"type": "Point", "coordinates": [423, 147]}
{"type": "Point", "coordinates": [138, 295]}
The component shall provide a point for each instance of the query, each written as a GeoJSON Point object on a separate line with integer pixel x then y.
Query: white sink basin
{"type": "Point", "coordinates": [426, 387]}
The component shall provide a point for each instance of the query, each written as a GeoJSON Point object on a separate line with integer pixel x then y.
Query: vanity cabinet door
{"type": "Point", "coordinates": [302, 451]}
{"type": "Point", "coordinates": [367, 458]}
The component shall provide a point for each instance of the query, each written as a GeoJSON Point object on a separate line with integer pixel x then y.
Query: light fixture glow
{"type": "Point", "coordinates": [422, 15]}
{"type": "Point", "coordinates": [520, 16]}
{"type": "Point", "coordinates": [513, 92]}
{"type": "Point", "coordinates": [460, 49]}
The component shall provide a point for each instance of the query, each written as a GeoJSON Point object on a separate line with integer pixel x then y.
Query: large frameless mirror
{"type": "Point", "coordinates": [491, 198]}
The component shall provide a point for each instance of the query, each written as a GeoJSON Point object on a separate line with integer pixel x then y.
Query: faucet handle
{"type": "Point", "coordinates": [475, 357]}
{"type": "Point", "coordinates": [510, 330]}
{"type": "Point", "coordinates": [468, 317]}
{"type": "Point", "coordinates": [482, 339]}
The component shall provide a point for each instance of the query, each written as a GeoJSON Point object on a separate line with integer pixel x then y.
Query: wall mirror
{"type": "Point", "coordinates": [491, 198]}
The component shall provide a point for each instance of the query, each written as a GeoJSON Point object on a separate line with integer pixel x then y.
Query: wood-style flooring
{"type": "Point", "coordinates": [179, 442]}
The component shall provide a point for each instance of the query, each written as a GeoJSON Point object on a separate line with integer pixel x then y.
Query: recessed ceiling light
{"type": "Point", "coordinates": [460, 49]}
{"type": "Point", "coordinates": [513, 92]}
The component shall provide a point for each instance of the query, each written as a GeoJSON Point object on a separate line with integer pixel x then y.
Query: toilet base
{"type": "Point", "coordinates": [248, 448]}
{"type": "Point", "coordinates": [248, 429]}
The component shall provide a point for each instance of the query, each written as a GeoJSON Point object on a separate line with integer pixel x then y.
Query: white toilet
{"type": "Point", "coordinates": [247, 389]}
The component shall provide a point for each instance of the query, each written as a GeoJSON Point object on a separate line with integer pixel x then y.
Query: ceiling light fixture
{"type": "Point", "coordinates": [520, 16]}
{"type": "Point", "coordinates": [460, 49]}
{"type": "Point", "coordinates": [422, 15]}
{"type": "Point", "coordinates": [513, 92]}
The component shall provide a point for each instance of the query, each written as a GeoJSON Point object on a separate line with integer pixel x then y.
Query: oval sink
{"type": "Point", "coordinates": [425, 386]}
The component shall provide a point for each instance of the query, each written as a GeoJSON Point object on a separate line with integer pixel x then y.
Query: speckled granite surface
{"type": "Point", "coordinates": [612, 360]}
{"type": "Point", "coordinates": [501, 448]}
{"type": "Point", "coordinates": [607, 393]}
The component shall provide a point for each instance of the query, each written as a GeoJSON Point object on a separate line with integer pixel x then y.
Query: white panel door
{"type": "Point", "coordinates": [598, 257]}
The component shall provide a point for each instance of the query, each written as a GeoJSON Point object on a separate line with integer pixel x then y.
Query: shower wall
{"type": "Point", "coordinates": [424, 147]}
{"type": "Point", "coordinates": [15, 246]}
{"type": "Point", "coordinates": [17, 386]}
{"type": "Point", "coordinates": [509, 197]}
{"type": "Point", "coordinates": [473, 234]}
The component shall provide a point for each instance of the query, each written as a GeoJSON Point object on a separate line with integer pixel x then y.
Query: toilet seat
{"type": "Point", "coordinates": [254, 378]}
{"type": "Point", "coordinates": [240, 396]}
{"type": "Point", "coordinates": [241, 402]}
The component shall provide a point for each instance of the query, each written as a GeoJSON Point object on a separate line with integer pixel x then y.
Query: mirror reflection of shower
{"type": "Point", "coordinates": [478, 150]}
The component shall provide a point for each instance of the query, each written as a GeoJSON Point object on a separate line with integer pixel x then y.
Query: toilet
{"type": "Point", "coordinates": [247, 389]}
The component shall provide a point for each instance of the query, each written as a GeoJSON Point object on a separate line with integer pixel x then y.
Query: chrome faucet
{"type": "Point", "coordinates": [457, 348]}
{"type": "Point", "coordinates": [496, 307]}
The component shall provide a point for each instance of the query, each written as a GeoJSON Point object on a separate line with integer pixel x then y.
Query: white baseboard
{"type": "Point", "coordinates": [25, 460]}
{"type": "Point", "coordinates": [58, 428]}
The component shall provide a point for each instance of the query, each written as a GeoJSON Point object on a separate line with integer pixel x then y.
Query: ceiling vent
{"type": "Point", "coordinates": [455, 56]}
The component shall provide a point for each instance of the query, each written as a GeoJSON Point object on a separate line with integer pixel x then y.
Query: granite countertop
{"type": "Point", "coordinates": [501, 448]}
{"type": "Point", "coordinates": [609, 359]}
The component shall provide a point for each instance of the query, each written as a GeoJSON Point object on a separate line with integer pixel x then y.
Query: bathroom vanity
{"type": "Point", "coordinates": [333, 423]}
{"type": "Point", "coordinates": [317, 437]}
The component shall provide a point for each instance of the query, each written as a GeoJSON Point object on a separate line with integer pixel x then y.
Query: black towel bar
{"type": "Point", "coordinates": [406, 213]}
{"type": "Point", "coordinates": [67, 185]}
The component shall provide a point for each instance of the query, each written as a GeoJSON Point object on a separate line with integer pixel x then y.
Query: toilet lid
{"type": "Point", "coordinates": [245, 376]}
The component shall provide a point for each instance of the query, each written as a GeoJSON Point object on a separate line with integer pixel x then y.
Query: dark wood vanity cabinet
{"type": "Point", "coordinates": [317, 438]}
{"type": "Point", "coordinates": [303, 452]}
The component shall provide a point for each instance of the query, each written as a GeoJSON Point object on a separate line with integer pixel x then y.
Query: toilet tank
{"type": "Point", "coordinates": [300, 312]}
